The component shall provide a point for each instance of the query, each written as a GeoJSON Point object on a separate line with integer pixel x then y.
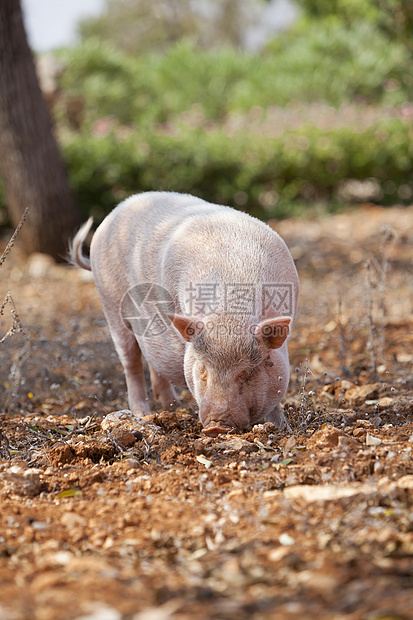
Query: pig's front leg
{"type": "Point", "coordinates": [163, 390]}
{"type": "Point", "coordinates": [277, 417]}
{"type": "Point", "coordinates": [131, 360]}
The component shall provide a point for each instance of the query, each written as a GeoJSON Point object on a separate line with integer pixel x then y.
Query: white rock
{"type": "Point", "coordinates": [327, 492]}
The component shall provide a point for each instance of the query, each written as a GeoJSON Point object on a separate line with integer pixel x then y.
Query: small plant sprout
{"type": "Point", "coordinates": [343, 343]}
{"type": "Point", "coordinates": [372, 344]}
{"type": "Point", "coordinates": [306, 404]}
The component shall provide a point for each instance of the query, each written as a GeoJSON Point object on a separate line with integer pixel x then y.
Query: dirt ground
{"type": "Point", "coordinates": [105, 519]}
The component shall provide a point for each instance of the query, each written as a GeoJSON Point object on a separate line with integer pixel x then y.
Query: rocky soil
{"type": "Point", "coordinates": [105, 518]}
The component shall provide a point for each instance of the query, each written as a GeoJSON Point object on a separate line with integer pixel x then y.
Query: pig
{"type": "Point", "coordinates": [207, 294]}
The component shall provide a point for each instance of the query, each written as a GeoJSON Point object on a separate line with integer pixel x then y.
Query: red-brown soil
{"type": "Point", "coordinates": [101, 523]}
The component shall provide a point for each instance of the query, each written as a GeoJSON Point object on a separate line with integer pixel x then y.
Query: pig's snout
{"type": "Point", "coordinates": [217, 422]}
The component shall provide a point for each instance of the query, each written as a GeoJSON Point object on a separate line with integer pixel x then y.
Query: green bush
{"type": "Point", "coordinates": [261, 175]}
{"type": "Point", "coordinates": [313, 62]}
{"type": "Point", "coordinates": [326, 60]}
{"type": "Point", "coordinates": [170, 117]}
{"type": "Point", "coordinates": [153, 87]}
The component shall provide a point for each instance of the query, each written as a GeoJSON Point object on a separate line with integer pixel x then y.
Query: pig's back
{"type": "Point", "coordinates": [129, 242]}
{"type": "Point", "coordinates": [174, 239]}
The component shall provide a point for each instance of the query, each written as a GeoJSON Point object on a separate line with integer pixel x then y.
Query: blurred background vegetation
{"type": "Point", "coordinates": [166, 95]}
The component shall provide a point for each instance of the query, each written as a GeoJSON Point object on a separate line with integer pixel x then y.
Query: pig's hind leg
{"type": "Point", "coordinates": [163, 390]}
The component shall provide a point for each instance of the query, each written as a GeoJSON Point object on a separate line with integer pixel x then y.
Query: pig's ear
{"type": "Point", "coordinates": [188, 326]}
{"type": "Point", "coordinates": [273, 332]}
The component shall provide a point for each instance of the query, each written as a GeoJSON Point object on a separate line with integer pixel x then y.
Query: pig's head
{"type": "Point", "coordinates": [238, 374]}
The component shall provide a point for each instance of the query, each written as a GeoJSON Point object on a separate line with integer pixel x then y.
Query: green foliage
{"type": "Point", "coordinates": [348, 11]}
{"type": "Point", "coordinates": [151, 88]}
{"type": "Point", "coordinates": [265, 177]}
{"type": "Point", "coordinates": [142, 26]}
{"type": "Point", "coordinates": [309, 63]}
{"type": "Point", "coordinates": [327, 61]}
{"type": "Point", "coordinates": [108, 80]}
{"type": "Point", "coordinates": [166, 120]}
{"type": "Point", "coordinates": [392, 17]}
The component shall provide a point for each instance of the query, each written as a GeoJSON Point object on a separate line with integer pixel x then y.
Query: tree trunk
{"type": "Point", "coordinates": [32, 169]}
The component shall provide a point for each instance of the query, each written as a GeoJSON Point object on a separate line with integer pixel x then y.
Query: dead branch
{"type": "Point", "coordinates": [14, 235]}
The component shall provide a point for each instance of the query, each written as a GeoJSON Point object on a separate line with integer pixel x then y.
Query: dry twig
{"type": "Point", "coordinates": [16, 326]}
{"type": "Point", "coordinates": [14, 235]}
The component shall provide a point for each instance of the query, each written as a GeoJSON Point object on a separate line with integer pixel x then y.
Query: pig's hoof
{"type": "Point", "coordinates": [213, 429]}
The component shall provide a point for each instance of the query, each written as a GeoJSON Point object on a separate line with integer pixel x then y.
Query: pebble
{"type": "Point", "coordinates": [25, 484]}
{"type": "Point", "coordinates": [100, 611]}
{"type": "Point", "coordinates": [286, 540]}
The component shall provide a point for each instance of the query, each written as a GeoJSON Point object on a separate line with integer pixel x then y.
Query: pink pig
{"type": "Point", "coordinates": [207, 295]}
